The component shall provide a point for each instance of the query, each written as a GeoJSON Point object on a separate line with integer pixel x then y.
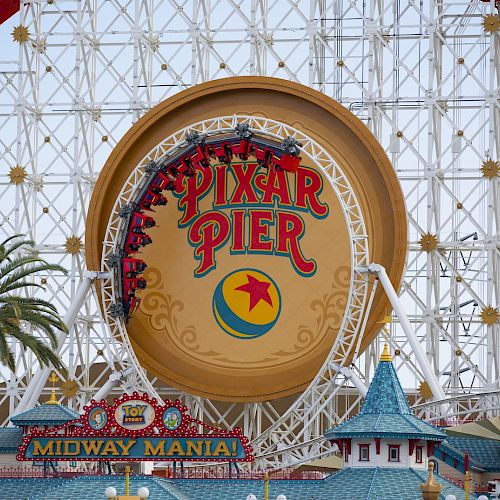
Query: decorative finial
{"type": "Point", "coordinates": [431, 490]}
{"type": "Point", "coordinates": [53, 399]}
{"type": "Point", "coordinates": [386, 355]}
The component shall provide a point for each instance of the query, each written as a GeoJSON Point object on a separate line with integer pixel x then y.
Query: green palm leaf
{"type": "Point", "coordinates": [15, 246]}
{"type": "Point", "coordinates": [17, 312]}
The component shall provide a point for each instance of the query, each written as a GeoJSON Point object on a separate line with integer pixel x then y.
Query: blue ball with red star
{"type": "Point", "coordinates": [246, 303]}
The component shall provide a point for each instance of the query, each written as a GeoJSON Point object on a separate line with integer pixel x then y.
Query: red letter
{"type": "Point", "coordinates": [308, 185]}
{"type": "Point", "coordinates": [244, 183]}
{"type": "Point", "coordinates": [290, 230]}
{"type": "Point", "coordinates": [279, 191]}
{"type": "Point", "coordinates": [257, 230]}
{"type": "Point", "coordinates": [208, 233]}
{"type": "Point", "coordinates": [220, 185]}
{"type": "Point", "coordinates": [193, 192]}
{"type": "Point", "coordinates": [238, 217]}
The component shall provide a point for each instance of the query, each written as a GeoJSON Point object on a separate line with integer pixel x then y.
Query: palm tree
{"type": "Point", "coordinates": [20, 310]}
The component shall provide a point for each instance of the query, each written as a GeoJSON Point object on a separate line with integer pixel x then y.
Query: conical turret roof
{"type": "Point", "coordinates": [385, 411]}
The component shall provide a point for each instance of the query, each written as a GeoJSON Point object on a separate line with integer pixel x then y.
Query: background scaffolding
{"type": "Point", "coordinates": [423, 75]}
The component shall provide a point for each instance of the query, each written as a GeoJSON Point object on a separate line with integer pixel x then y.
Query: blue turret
{"type": "Point", "coordinates": [385, 421]}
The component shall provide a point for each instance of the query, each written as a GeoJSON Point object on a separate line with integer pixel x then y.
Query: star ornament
{"type": "Point", "coordinates": [257, 290]}
{"type": "Point", "coordinates": [491, 23]}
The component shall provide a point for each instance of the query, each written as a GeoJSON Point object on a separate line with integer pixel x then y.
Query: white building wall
{"type": "Point", "coordinates": [382, 460]}
{"type": "Point", "coordinates": [413, 458]}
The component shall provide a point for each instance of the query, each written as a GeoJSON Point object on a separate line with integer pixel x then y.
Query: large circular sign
{"type": "Point", "coordinates": [253, 203]}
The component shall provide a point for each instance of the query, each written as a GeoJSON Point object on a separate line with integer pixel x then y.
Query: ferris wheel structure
{"type": "Point", "coordinates": [423, 76]}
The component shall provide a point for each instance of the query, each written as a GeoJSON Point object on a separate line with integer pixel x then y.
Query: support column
{"type": "Point", "coordinates": [419, 353]}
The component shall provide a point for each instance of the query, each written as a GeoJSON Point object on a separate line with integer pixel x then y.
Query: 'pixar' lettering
{"type": "Point", "coordinates": [255, 210]}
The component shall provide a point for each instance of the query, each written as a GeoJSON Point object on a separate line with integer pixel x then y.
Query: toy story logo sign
{"type": "Point", "coordinates": [136, 428]}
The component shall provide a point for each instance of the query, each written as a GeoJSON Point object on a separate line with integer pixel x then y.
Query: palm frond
{"type": "Point", "coordinates": [16, 312]}
{"type": "Point", "coordinates": [6, 355]}
{"type": "Point", "coordinates": [16, 246]}
{"type": "Point", "coordinates": [46, 324]}
{"type": "Point", "coordinates": [42, 351]}
{"type": "Point", "coordinates": [28, 302]}
{"type": "Point", "coordinates": [22, 284]}
{"type": "Point", "coordinates": [25, 266]}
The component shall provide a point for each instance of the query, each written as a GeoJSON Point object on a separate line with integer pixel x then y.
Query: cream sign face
{"type": "Point", "coordinates": [135, 415]}
{"type": "Point", "coordinates": [233, 262]}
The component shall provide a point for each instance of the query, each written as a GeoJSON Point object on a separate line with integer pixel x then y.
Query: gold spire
{"type": "Point", "coordinates": [53, 399]}
{"type": "Point", "coordinates": [386, 355]}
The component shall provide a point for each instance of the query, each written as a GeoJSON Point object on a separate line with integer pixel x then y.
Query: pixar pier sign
{"type": "Point", "coordinates": [243, 213]}
{"type": "Point", "coordinates": [136, 427]}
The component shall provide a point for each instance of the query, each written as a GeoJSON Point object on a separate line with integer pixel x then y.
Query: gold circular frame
{"type": "Point", "coordinates": [344, 136]}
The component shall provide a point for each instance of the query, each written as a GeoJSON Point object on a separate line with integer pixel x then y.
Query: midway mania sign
{"type": "Point", "coordinates": [136, 427]}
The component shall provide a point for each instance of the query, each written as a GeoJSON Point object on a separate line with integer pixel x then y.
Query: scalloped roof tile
{"type": "Point", "coordinates": [45, 414]}
{"type": "Point", "coordinates": [10, 439]}
{"type": "Point", "coordinates": [483, 453]}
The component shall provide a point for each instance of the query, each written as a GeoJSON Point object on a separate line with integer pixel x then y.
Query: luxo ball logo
{"type": "Point", "coordinates": [246, 303]}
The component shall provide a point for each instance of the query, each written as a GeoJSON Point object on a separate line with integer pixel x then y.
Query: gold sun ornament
{"type": "Point", "coordinates": [424, 389]}
{"type": "Point", "coordinates": [490, 169]}
{"type": "Point", "coordinates": [69, 388]}
{"type": "Point", "coordinates": [491, 23]}
{"type": "Point", "coordinates": [17, 174]}
{"type": "Point", "coordinates": [489, 315]}
{"type": "Point", "coordinates": [20, 34]}
{"type": "Point", "coordinates": [73, 245]}
{"type": "Point", "coordinates": [428, 242]}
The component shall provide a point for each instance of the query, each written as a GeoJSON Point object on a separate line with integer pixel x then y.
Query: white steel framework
{"type": "Point", "coordinates": [423, 75]}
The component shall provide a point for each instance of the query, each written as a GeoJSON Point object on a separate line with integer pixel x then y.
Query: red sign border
{"type": "Point", "coordinates": [189, 428]}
